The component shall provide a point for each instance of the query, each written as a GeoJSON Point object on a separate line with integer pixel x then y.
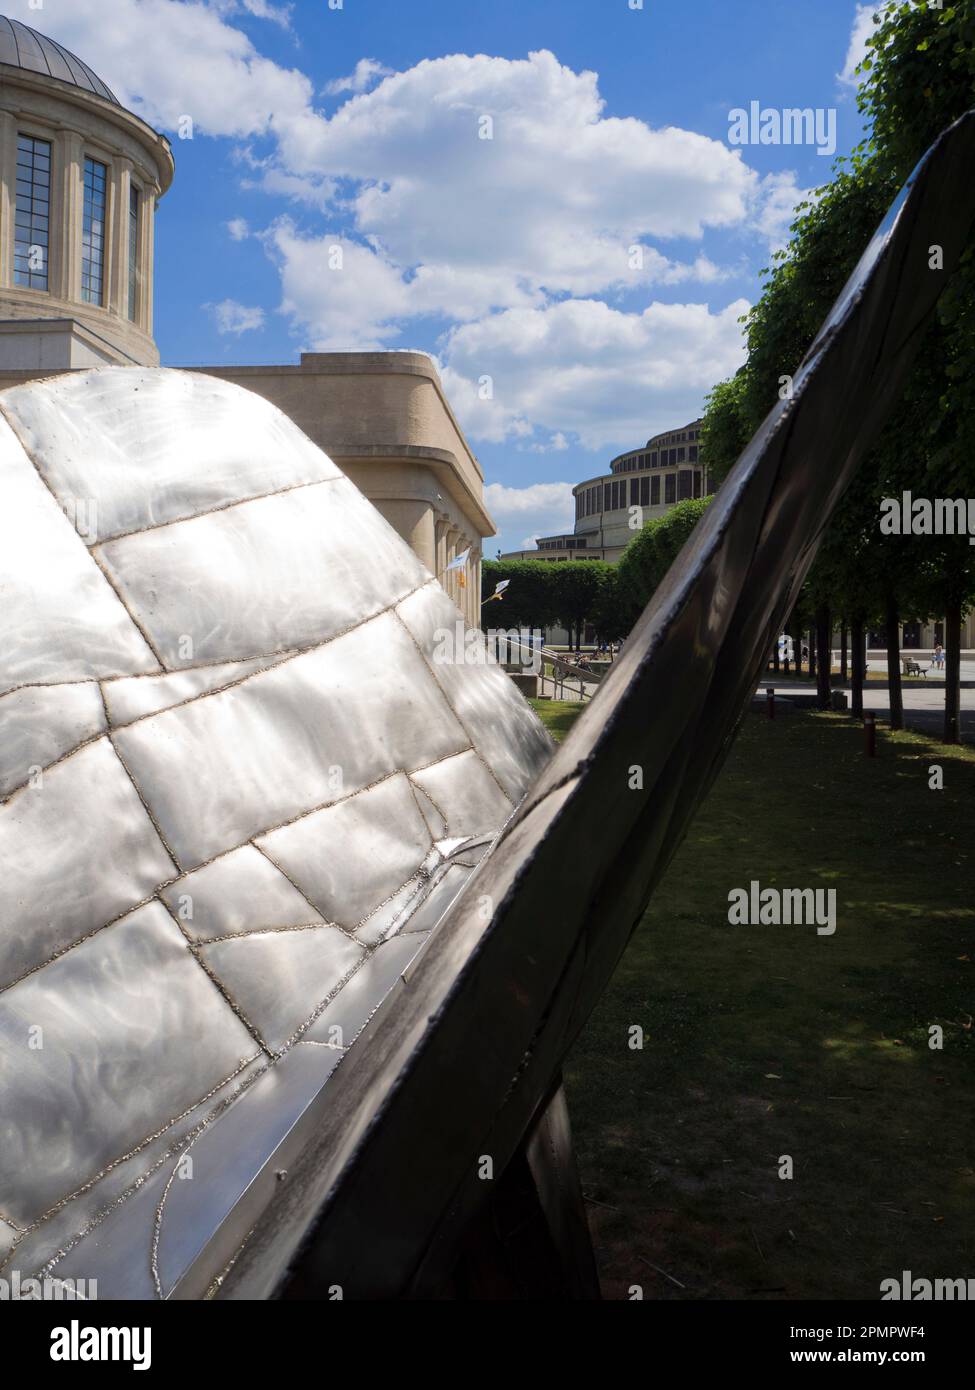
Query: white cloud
{"type": "Point", "coordinates": [557, 444]}
{"type": "Point", "coordinates": [257, 9]}
{"type": "Point", "coordinates": [263, 9]}
{"type": "Point", "coordinates": [436, 223]}
{"type": "Point", "coordinates": [581, 366]}
{"type": "Point", "coordinates": [367, 72]}
{"type": "Point", "coordinates": [775, 206]}
{"type": "Point", "coordinates": [863, 29]}
{"type": "Point", "coordinates": [238, 229]}
{"type": "Point", "coordinates": [340, 294]}
{"type": "Point", "coordinates": [165, 59]}
{"type": "Point", "coordinates": [505, 502]}
{"type": "Point", "coordinates": [546, 508]}
{"type": "Point", "coordinates": [556, 199]}
{"type": "Point", "coordinates": [231, 317]}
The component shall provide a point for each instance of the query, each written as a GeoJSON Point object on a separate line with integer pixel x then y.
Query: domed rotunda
{"type": "Point", "coordinates": [79, 180]}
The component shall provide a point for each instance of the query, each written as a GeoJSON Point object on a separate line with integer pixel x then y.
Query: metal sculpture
{"type": "Point", "coordinates": [364, 1172]}
{"type": "Point", "coordinates": [240, 778]}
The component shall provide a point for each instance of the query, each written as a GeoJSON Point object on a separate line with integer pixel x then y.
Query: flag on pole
{"type": "Point", "coordinates": [459, 562]}
{"type": "Point", "coordinates": [499, 591]}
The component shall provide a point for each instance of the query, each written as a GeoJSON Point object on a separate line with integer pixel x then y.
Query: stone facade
{"type": "Point", "coordinates": [57, 327]}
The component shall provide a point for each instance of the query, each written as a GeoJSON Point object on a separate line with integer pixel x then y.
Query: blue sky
{"type": "Point", "coordinates": [511, 258]}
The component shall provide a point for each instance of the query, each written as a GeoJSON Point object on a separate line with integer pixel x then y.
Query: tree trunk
{"type": "Point", "coordinates": [844, 671]}
{"type": "Point", "coordinates": [812, 653]}
{"type": "Point", "coordinates": [857, 642]}
{"type": "Point", "coordinates": [892, 637]}
{"type": "Point", "coordinates": [792, 630]}
{"type": "Point", "coordinates": [952, 670]}
{"type": "Point", "coordinates": [824, 657]}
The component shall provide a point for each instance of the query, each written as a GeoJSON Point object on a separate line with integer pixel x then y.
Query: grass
{"type": "Point", "coordinates": [769, 1041]}
{"type": "Point", "coordinates": [558, 716]}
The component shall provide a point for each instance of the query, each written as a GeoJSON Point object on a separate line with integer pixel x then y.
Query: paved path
{"type": "Point", "coordinates": [924, 704]}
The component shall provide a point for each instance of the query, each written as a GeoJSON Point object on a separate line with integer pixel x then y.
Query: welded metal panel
{"type": "Point", "coordinates": [190, 447]}
{"type": "Point", "coordinates": [43, 722]}
{"type": "Point", "coordinates": [78, 850]}
{"type": "Point", "coordinates": [59, 620]}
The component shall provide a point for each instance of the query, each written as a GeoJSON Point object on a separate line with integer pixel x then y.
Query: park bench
{"type": "Point", "coordinates": [911, 668]}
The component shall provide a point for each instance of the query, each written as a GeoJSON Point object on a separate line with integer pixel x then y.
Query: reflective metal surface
{"type": "Point", "coordinates": [240, 784]}
{"type": "Point", "coordinates": [462, 1058]}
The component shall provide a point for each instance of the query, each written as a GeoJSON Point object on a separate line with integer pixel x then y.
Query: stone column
{"type": "Point", "coordinates": [8, 195]}
{"type": "Point", "coordinates": [147, 250]}
{"type": "Point", "coordinates": [441, 547]}
{"type": "Point", "coordinates": [117, 237]}
{"type": "Point", "coordinates": [474, 616]}
{"type": "Point", "coordinates": [454, 537]}
{"type": "Point", "coordinates": [413, 520]}
{"type": "Point", "coordinates": [66, 223]}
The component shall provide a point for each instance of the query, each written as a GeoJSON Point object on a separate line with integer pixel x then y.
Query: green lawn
{"type": "Point", "coordinates": [766, 1041]}
{"type": "Point", "coordinates": [558, 716]}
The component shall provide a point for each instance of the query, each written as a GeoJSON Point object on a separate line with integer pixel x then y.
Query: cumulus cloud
{"type": "Point", "coordinates": [556, 196]}
{"type": "Point", "coordinates": [863, 29]}
{"type": "Point", "coordinates": [263, 9]}
{"type": "Point", "coordinates": [775, 207]}
{"type": "Point", "coordinates": [257, 9]}
{"type": "Point", "coordinates": [367, 72]}
{"type": "Point", "coordinates": [506, 502]}
{"type": "Point", "coordinates": [238, 229]}
{"type": "Point", "coordinates": [166, 59]}
{"type": "Point", "coordinates": [556, 444]}
{"type": "Point", "coordinates": [546, 508]}
{"type": "Point", "coordinates": [231, 317]}
{"type": "Point", "coordinates": [583, 367]}
{"type": "Point", "coordinates": [510, 240]}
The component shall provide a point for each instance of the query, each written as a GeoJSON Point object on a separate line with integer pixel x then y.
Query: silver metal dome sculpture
{"type": "Point", "coordinates": [281, 963]}
{"type": "Point", "coordinates": [240, 786]}
{"type": "Point", "coordinates": [23, 47]}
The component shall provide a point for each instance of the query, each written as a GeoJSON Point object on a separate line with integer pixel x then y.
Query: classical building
{"type": "Point", "coordinates": [79, 181]}
{"type": "Point", "coordinates": [664, 471]}
{"type": "Point", "coordinates": [80, 177]}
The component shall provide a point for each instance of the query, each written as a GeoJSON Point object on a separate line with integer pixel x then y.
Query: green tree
{"type": "Point", "coordinates": [651, 553]}
{"type": "Point", "coordinates": [919, 76]}
{"type": "Point", "coordinates": [578, 585]}
{"type": "Point", "coordinates": [724, 432]}
{"type": "Point", "coordinates": [529, 600]}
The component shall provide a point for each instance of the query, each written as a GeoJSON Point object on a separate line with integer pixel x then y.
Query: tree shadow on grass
{"type": "Point", "coordinates": [763, 1044]}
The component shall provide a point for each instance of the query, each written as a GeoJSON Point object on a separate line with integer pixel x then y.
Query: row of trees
{"type": "Point", "coordinates": [568, 594]}
{"type": "Point", "coordinates": [574, 594]}
{"type": "Point", "coordinates": [918, 77]}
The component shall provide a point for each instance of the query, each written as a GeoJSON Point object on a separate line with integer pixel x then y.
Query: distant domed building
{"type": "Point", "coordinates": [653, 478]}
{"type": "Point", "coordinates": [79, 180]}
